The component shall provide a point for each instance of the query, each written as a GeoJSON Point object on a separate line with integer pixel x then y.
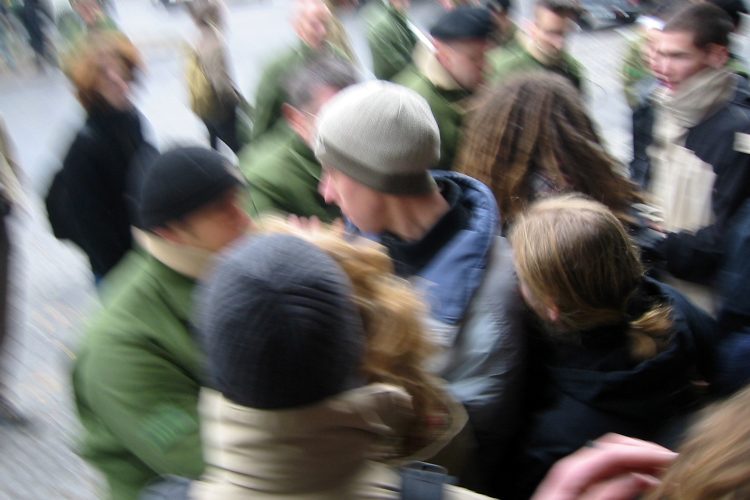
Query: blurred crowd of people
{"type": "Point", "coordinates": [48, 32]}
{"type": "Point", "coordinates": [437, 283]}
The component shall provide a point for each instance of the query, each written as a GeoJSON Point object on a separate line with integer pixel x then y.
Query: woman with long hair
{"type": "Point", "coordinates": [532, 137]}
{"type": "Point", "coordinates": [615, 351]}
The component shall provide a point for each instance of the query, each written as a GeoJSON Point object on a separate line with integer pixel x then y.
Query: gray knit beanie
{"type": "Point", "coordinates": [382, 135]}
{"type": "Point", "coordinates": [278, 325]}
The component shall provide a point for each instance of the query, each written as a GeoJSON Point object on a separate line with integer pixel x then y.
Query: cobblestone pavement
{"type": "Point", "coordinates": [53, 286]}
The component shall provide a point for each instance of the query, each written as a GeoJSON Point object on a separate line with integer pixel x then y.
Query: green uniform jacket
{"type": "Point", "coordinates": [137, 378]}
{"type": "Point", "coordinates": [447, 107]}
{"type": "Point", "coordinates": [390, 39]}
{"type": "Point", "coordinates": [270, 94]}
{"type": "Point", "coordinates": [634, 70]}
{"type": "Point", "coordinates": [283, 176]}
{"type": "Point", "coordinates": [502, 62]}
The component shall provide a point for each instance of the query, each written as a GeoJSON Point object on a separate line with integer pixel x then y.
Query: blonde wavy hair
{"type": "Point", "coordinates": [572, 252]}
{"type": "Point", "coordinates": [714, 459]}
{"type": "Point", "coordinates": [397, 348]}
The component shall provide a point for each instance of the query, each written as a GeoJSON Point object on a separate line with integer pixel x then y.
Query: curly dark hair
{"type": "Point", "coordinates": [535, 127]}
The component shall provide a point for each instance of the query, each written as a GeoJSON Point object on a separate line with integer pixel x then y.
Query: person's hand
{"type": "Point", "coordinates": [313, 224]}
{"type": "Point", "coordinates": [307, 223]}
{"type": "Point", "coordinates": [613, 467]}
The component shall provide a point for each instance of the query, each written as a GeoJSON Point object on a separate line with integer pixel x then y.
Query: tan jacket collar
{"type": "Point", "coordinates": [190, 261]}
{"type": "Point", "coordinates": [278, 451]}
{"type": "Point", "coordinates": [427, 63]}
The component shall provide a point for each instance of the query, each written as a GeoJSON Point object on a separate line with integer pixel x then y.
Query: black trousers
{"type": "Point", "coordinates": [224, 130]}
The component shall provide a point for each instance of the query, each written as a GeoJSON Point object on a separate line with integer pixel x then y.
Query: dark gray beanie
{"type": "Point", "coordinates": [278, 324]}
{"type": "Point", "coordinates": [382, 135]}
{"type": "Point", "coordinates": [464, 23]}
{"type": "Point", "coordinates": [179, 182]}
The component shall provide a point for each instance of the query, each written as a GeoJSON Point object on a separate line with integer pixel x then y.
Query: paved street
{"type": "Point", "coordinates": [54, 293]}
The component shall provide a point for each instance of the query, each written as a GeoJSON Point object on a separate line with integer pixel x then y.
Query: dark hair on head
{"type": "Point", "coordinates": [564, 8]}
{"type": "Point", "coordinates": [733, 8]}
{"type": "Point", "coordinates": [533, 127]}
{"type": "Point", "coordinates": [707, 23]}
{"type": "Point", "coordinates": [85, 66]}
{"type": "Point", "coordinates": [324, 70]}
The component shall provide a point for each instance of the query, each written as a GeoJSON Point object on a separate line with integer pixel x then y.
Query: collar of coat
{"type": "Point", "coordinates": [279, 451]}
{"type": "Point", "coordinates": [192, 262]}
{"type": "Point", "coordinates": [427, 63]}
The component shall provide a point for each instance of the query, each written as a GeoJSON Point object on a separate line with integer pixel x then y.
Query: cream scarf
{"type": "Point", "coordinates": [682, 183]}
{"type": "Point", "coordinates": [700, 96]}
{"type": "Point", "coordinates": [193, 262]}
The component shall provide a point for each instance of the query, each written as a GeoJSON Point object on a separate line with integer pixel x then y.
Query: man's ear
{"type": "Point", "coordinates": [552, 312]}
{"type": "Point", "coordinates": [717, 56]}
{"type": "Point", "coordinates": [295, 119]}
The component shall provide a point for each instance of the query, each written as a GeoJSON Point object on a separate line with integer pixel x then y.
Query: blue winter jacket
{"type": "Point", "coordinates": [475, 315]}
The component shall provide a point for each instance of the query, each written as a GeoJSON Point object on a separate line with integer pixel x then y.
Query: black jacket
{"type": "Point", "coordinates": [95, 172]}
{"type": "Point", "coordinates": [580, 391]}
{"type": "Point", "coordinates": [695, 256]}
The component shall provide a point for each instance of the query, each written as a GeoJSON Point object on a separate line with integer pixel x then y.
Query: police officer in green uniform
{"type": "Point", "coordinates": [447, 74]}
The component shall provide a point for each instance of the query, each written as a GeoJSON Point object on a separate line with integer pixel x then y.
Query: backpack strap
{"type": "Point", "coordinates": [423, 481]}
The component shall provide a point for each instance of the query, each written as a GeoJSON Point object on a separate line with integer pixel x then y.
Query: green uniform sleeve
{"type": "Point", "coordinates": [268, 99]}
{"type": "Point", "coordinates": [147, 403]}
{"type": "Point", "coordinates": [391, 42]}
{"type": "Point", "coordinates": [633, 70]}
{"type": "Point", "coordinates": [505, 61]}
{"type": "Point", "coordinates": [259, 201]}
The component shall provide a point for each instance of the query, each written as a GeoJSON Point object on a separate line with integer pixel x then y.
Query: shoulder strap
{"type": "Point", "coordinates": [423, 481]}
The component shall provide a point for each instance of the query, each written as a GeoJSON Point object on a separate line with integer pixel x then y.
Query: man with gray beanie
{"type": "Point", "coordinates": [448, 74]}
{"type": "Point", "coordinates": [287, 414]}
{"type": "Point", "coordinates": [138, 373]}
{"type": "Point", "coordinates": [376, 142]}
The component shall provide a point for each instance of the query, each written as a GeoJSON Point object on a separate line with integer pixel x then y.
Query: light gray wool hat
{"type": "Point", "coordinates": [382, 135]}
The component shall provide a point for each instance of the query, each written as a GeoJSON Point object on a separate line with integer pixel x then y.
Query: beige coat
{"type": "Point", "coordinates": [320, 452]}
{"type": "Point", "coordinates": [10, 187]}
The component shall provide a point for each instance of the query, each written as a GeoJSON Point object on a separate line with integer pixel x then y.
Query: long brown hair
{"type": "Point", "coordinates": [714, 459]}
{"type": "Point", "coordinates": [536, 124]}
{"type": "Point", "coordinates": [573, 253]}
{"type": "Point", "coordinates": [397, 346]}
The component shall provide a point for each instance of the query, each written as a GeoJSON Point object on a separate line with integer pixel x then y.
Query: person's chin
{"type": "Point", "coordinates": [670, 86]}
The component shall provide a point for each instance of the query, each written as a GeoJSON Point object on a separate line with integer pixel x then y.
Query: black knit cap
{"type": "Point", "coordinates": [463, 23]}
{"type": "Point", "coordinates": [278, 325]}
{"type": "Point", "coordinates": [180, 181]}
